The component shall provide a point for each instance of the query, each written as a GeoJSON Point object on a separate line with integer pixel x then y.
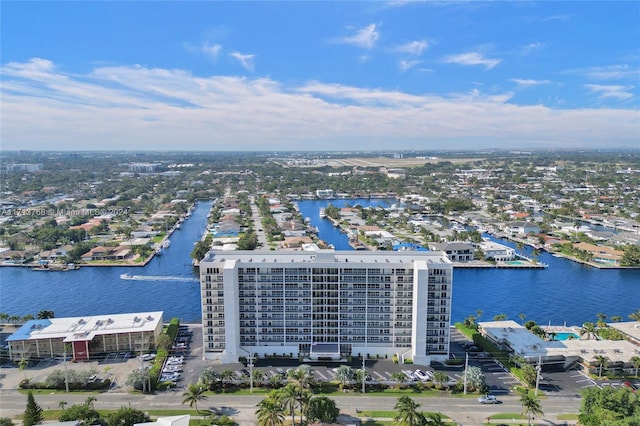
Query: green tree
{"type": "Point", "coordinates": [500, 317]}
{"type": "Point", "coordinates": [33, 412]}
{"type": "Point", "coordinates": [209, 378]}
{"type": "Point", "coordinates": [609, 406]}
{"type": "Point", "coordinates": [164, 341]}
{"type": "Point", "coordinates": [344, 374]}
{"type": "Point", "coordinates": [45, 314]}
{"type": "Point", "coordinates": [475, 379]}
{"type": "Point", "coordinates": [635, 315]}
{"type": "Point", "coordinates": [635, 360]}
{"type": "Point", "coordinates": [530, 405]}
{"type": "Point", "coordinates": [440, 378]}
{"type": "Point", "coordinates": [84, 413]}
{"type": "Point", "coordinates": [407, 412]}
{"type": "Point", "coordinates": [601, 362]}
{"type": "Point", "coordinates": [399, 377]}
{"type": "Point", "coordinates": [127, 416]}
{"type": "Point", "coordinates": [288, 397]}
{"type": "Point", "coordinates": [631, 256]}
{"type": "Point", "coordinates": [588, 329]}
{"type": "Point", "coordinates": [5, 421]}
{"type": "Point", "coordinates": [193, 394]}
{"type": "Point", "coordinates": [270, 411]}
{"type": "Point", "coordinates": [529, 374]}
{"type": "Point", "coordinates": [322, 409]}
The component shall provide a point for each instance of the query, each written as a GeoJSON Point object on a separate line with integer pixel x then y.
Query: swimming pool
{"type": "Point", "coordinates": [563, 335]}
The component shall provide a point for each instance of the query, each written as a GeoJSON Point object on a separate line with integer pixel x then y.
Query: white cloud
{"type": "Point", "coordinates": [527, 49]}
{"type": "Point", "coordinates": [134, 107]}
{"type": "Point", "coordinates": [365, 37]}
{"type": "Point", "coordinates": [414, 48]}
{"type": "Point", "coordinates": [471, 58]}
{"type": "Point", "coordinates": [211, 50]}
{"type": "Point", "coordinates": [611, 91]}
{"type": "Point", "coordinates": [612, 72]}
{"type": "Point", "coordinates": [245, 60]}
{"type": "Point", "coordinates": [407, 65]}
{"type": "Point", "coordinates": [528, 82]}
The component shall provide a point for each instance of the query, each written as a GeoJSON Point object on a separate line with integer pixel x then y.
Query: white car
{"type": "Point", "coordinates": [488, 399]}
{"type": "Point", "coordinates": [409, 374]}
{"type": "Point", "coordinates": [422, 375]}
{"type": "Point", "coordinates": [148, 357]}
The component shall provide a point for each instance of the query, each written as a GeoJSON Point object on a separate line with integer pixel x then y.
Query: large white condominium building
{"type": "Point", "coordinates": [326, 304]}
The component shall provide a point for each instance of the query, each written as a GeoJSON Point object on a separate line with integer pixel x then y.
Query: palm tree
{"type": "Point", "coordinates": [399, 377]}
{"type": "Point", "coordinates": [588, 329]}
{"type": "Point", "coordinates": [302, 376]}
{"type": "Point", "coordinates": [635, 315]}
{"type": "Point", "coordinates": [601, 361]}
{"type": "Point", "coordinates": [227, 376]}
{"type": "Point", "coordinates": [635, 360]}
{"type": "Point", "coordinates": [288, 397]}
{"type": "Point", "coordinates": [530, 405]}
{"type": "Point", "coordinates": [478, 314]}
{"type": "Point", "coordinates": [435, 419]}
{"type": "Point", "coordinates": [522, 316]}
{"type": "Point", "coordinates": [408, 413]}
{"type": "Point", "coordinates": [500, 317]}
{"type": "Point", "coordinates": [440, 378]}
{"type": "Point", "coordinates": [270, 411]}
{"type": "Point", "coordinates": [193, 394]}
{"type": "Point", "coordinates": [44, 314]}
{"type": "Point", "coordinates": [601, 320]}
{"type": "Point", "coordinates": [344, 374]}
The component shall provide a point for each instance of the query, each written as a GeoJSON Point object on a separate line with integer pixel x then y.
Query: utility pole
{"type": "Point", "coordinates": [66, 378]}
{"type": "Point", "coordinates": [364, 374]}
{"type": "Point", "coordinates": [538, 368]}
{"type": "Point", "coordinates": [466, 366]}
{"type": "Point", "coordinates": [143, 375]}
{"type": "Point", "coordinates": [251, 371]}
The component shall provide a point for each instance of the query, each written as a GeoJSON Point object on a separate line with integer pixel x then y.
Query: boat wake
{"type": "Point", "coordinates": [157, 278]}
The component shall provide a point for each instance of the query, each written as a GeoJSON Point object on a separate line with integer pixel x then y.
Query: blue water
{"type": "Point", "coordinates": [564, 336]}
{"type": "Point", "coordinates": [169, 284]}
{"type": "Point", "coordinates": [564, 292]}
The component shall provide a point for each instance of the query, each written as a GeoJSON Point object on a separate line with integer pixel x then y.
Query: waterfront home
{"type": "Point", "coordinates": [497, 252]}
{"type": "Point", "coordinates": [521, 228]}
{"type": "Point", "coordinates": [107, 253]}
{"type": "Point", "coordinates": [601, 254]}
{"type": "Point", "coordinates": [457, 251]}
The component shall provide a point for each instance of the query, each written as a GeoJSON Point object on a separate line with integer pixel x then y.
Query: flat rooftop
{"type": "Point", "coordinates": [85, 328]}
{"type": "Point", "coordinates": [530, 346]}
{"type": "Point", "coordinates": [320, 256]}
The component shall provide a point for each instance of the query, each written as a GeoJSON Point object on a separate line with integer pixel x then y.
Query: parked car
{"type": "Point", "coordinates": [422, 375]}
{"type": "Point", "coordinates": [488, 399]}
{"type": "Point", "coordinates": [148, 357]}
{"type": "Point", "coordinates": [632, 386]}
{"type": "Point", "coordinates": [409, 374]}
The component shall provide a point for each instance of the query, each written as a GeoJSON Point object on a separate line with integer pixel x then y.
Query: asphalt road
{"type": "Point", "coordinates": [465, 411]}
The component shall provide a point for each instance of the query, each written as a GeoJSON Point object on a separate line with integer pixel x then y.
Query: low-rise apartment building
{"type": "Point", "coordinates": [85, 337]}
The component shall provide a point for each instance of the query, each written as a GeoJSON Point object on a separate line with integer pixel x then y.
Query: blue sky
{"type": "Point", "coordinates": [319, 75]}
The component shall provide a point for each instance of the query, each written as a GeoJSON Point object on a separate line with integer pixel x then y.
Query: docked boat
{"type": "Point", "coordinates": [166, 244]}
{"type": "Point", "coordinates": [323, 212]}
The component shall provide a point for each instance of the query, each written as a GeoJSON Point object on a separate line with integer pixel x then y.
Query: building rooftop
{"type": "Point", "coordinates": [85, 328]}
{"type": "Point", "coordinates": [340, 256]}
{"type": "Point", "coordinates": [530, 346]}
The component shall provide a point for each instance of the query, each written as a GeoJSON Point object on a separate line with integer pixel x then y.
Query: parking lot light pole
{"type": "Point", "coordinates": [251, 372]}
{"type": "Point", "coordinates": [538, 369]}
{"type": "Point", "coordinates": [364, 375]}
{"type": "Point", "coordinates": [466, 366]}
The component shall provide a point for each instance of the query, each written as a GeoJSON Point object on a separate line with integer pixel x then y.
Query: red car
{"type": "Point", "coordinates": [632, 386]}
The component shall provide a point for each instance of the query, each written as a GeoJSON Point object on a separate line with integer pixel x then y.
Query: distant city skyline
{"type": "Point", "coordinates": [319, 76]}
